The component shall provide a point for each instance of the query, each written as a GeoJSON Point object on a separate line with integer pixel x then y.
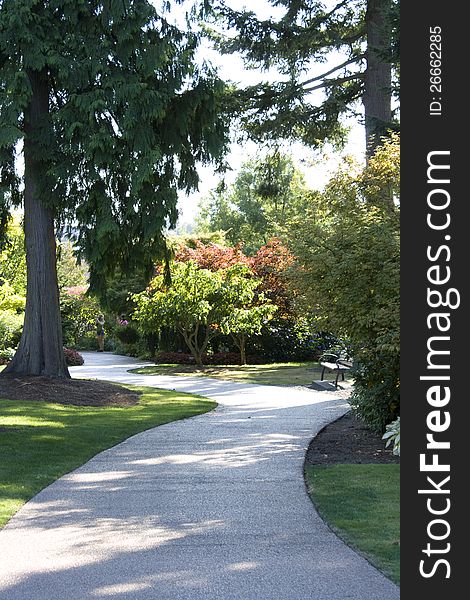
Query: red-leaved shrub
{"type": "Point", "coordinates": [219, 358]}
{"type": "Point", "coordinates": [73, 358]}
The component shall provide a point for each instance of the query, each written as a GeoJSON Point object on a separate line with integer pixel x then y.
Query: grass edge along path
{"type": "Point", "coordinates": [42, 441]}
{"type": "Point", "coordinates": [290, 373]}
{"type": "Point", "coordinates": [361, 504]}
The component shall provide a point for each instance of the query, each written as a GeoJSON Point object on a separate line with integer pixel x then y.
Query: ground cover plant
{"type": "Point", "coordinates": [41, 441]}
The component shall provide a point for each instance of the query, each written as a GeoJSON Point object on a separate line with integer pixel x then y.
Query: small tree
{"type": "Point", "coordinates": [247, 311]}
{"type": "Point", "coordinates": [212, 256]}
{"type": "Point", "coordinates": [199, 304]}
{"type": "Point", "coordinates": [191, 304]}
{"type": "Point", "coordinates": [244, 322]}
{"type": "Point", "coordinates": [271, 264]}
{"type": "Point", "coordinates": [283, 335]}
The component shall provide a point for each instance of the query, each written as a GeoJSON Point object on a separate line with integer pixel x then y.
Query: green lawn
{"type": "Point", "coordinates": [293, 373]}
{"type": "Point", "coordinates": [41, 442]}
{"type": "Point", "coordinates": [361, 503]}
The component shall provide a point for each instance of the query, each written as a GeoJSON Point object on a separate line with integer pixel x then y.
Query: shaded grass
{"type": "Point", "coordinates": [361, 503]}
{"type": "Point", "coordinates": [292, 373]}
{"type": "Point", "coordinates": [42, 441]}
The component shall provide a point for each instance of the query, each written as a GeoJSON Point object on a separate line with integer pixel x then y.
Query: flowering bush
{"type": "Point", "coordinates": [73, 358]}
{"type": "Point", "coordinates": [212, 256]}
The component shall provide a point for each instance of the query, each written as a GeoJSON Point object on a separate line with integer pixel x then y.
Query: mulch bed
{"type": "Point", "coordinates": [348, 441]}
{"type": "Point", "coordinates": [65, 391]}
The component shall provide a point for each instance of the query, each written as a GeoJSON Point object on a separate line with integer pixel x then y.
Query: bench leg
{"type": "Point", "coordinates": [336, 380]}
{"type": "Point", "coordinates": [342, 376]}
{"type": "Point", "coordinates": [322, 373]}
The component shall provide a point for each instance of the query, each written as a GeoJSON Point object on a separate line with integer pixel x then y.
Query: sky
{"type": "Point", "coordinates": [316, 166]}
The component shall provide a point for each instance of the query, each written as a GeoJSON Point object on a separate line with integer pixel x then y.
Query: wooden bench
{"type": "Point", "coordinates": [336, 364]}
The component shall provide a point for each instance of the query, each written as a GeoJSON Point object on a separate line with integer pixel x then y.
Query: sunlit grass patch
{"type": "Point", "coordinates": [361, 503]}
{"type": "Point", "coordinates": [291, 373]}
{"type": "Point", "coordinates": [42, 441]}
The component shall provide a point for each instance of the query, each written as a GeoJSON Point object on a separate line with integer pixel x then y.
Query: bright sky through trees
{"type": "Point", "coordinates": [231, 68]}
{"type": "Point", "coordinates": [316, 168]}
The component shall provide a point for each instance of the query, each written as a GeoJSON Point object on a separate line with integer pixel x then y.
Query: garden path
{"type": "Point", "coordinates": [209, 508]}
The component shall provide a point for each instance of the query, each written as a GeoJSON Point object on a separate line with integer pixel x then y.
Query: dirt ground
{"type": "Point", "coordinates": [348, 441]}
{"type": "Point", "coordinates": [65, 391]}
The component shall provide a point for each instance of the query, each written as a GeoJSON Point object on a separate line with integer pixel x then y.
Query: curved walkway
{"type": "Point", "coordinates": [210, 508]}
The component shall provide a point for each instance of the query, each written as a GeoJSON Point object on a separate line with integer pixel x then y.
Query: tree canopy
{"type": "Point", "coordinates": [346, 268]}
{"type": "Point", "coordinates": [129, 114]}
{"type": "Point", "coordinates": [270, 265]}
{"type": "Point", "coordinates": [355, 42]}
{"type": "Point", "coordinates": [268, 193]}
{"type": "Point", "coordinates": [201, 304]}
{"type": "Point", "coordinates": [114, 114]}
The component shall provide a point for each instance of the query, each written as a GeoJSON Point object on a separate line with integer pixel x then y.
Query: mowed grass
{"type": "Point", "coordinates": [292, 373]}
{"type": "Point", "coordinates": [361, 503]}
{"type": "Point", "coordinates": [40, 442]}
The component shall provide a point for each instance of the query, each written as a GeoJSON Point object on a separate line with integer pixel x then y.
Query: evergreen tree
{"type": "Point", "coordinates": [114, 115]}
{"type": "Point", "coordinates": [309, 32]}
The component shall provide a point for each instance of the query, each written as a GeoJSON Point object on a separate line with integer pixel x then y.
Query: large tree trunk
{"type": "Point", "coordinates": [40, 351]}
{"type": "Point", "coordinates": [377, 98]}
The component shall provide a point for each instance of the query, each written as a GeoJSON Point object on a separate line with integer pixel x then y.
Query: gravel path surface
{"type": "Point", "coordinates": [210, 508]}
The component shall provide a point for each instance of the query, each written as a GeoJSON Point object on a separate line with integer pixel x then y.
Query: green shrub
{"type": "Point", "coordinates": [6, 354]}
{"type": "Point", "coordinates": [119, 347]}
{"type": "Point", "coordinates": [87, 341]}
{"type": "Point", "coordinates": [290, 340]}
{"type": "Point", "coordinates": [78, 312]}
{"type": "Point", "coordinates": [11, 325]}
{"type": "Point", "coordinates": [376, 395]}
{"type": "Point", "coordinates": [347, 272]}
{"type": "Point", "coordinates": [127, 334]}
